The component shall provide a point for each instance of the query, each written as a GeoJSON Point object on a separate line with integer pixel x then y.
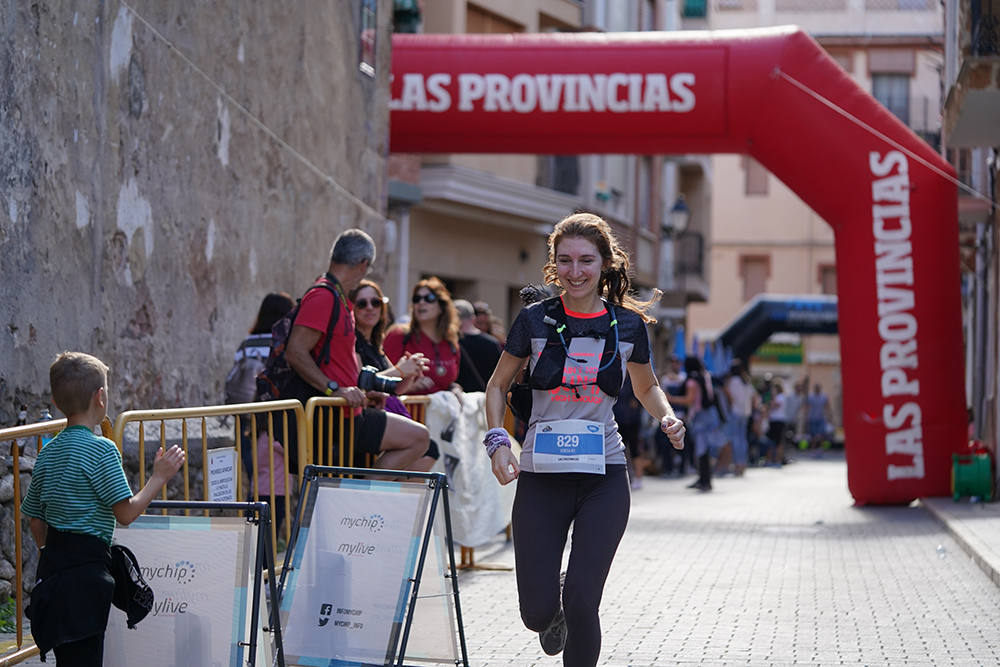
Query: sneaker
{"type": "Point", "coordinates": [636, 483]}
{"type": "Point", "coordinates": [553, 638]}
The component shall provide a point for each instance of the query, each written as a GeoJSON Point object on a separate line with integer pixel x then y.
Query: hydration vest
{"type": "Point", "coordinates": [550, 367]}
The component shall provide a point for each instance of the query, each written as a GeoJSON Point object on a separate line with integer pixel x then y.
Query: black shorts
{"type": "Point", "coordinates": [369, 429]}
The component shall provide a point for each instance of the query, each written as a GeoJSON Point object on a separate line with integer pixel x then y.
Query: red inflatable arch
{"type": "Point", "coordinates": [776, 95]}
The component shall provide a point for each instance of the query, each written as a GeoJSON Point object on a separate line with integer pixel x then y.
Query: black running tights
{"type": "Point", "coordinates": [544, 507]}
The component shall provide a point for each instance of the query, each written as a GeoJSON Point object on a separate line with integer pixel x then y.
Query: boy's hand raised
{"type": "Point", "coordinates": [168, 463]}
{"type": "Point", "coordinates": [165, 466]}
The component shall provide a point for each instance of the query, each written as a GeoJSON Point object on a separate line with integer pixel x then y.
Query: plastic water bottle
{"type": "Point", "coordinates": [942, 552]}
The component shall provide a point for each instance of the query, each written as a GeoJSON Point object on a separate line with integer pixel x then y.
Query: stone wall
{"type": "Point", "coordinates": [163, 165]}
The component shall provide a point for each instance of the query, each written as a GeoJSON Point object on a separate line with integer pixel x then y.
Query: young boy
{"type": "Point", "coordinates": [78, 488]}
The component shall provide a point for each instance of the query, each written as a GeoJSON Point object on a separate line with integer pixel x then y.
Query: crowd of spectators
{"type": "Point", "coordinates": [440, 343]}
{"type": "Point", "coordinates": [734, 422]}
{"type": "Point", "coordinates": [344, 323]}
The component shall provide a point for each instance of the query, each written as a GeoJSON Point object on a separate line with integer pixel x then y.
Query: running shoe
{"type": "Point", "coordinates": [553, 638]}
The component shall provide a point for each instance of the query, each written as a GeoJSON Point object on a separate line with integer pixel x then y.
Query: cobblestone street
{"type": "Point", "coordinates": [776, 568]}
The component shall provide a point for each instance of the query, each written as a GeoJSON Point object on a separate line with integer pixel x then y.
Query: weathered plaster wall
{"type": "Point", "coordinates": [142, 214]}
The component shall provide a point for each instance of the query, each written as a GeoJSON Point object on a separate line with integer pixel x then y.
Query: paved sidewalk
{"type": "Point", "coordinates": [775, 568]}
{"type": "Point", "coordinates": [976, 528]}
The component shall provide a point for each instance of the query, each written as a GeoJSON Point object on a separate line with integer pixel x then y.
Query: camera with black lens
{"type": "Point", "coordinates": [370, 380]}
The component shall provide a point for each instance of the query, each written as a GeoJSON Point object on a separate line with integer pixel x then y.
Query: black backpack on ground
{"type": "Point", "coordinates": [278, 380]}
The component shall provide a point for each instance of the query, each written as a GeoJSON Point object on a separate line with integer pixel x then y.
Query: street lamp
{"type": "Point", "coordinates": [677, 220]}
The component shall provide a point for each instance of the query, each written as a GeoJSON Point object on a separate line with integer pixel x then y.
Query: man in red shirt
{"type": "Point", "coordinates": [399, 443]}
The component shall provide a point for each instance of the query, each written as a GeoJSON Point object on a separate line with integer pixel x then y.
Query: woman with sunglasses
{"type": "Point", "coordinates": [370, 321]}
{"type": "Point", "coordinates": [578, 346]}
{"type": "Point", "coordinates": [433, 332]}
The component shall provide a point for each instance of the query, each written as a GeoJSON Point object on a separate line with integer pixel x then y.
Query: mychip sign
{"type": "Point", "coordinates": [354, 558]}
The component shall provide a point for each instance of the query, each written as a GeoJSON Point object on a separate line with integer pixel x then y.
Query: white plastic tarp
{"type": "Point", "coordinates": [480, 506]}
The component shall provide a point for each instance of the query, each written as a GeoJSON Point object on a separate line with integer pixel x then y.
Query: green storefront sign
{"type": "Point", "coordinates": [778, 353]}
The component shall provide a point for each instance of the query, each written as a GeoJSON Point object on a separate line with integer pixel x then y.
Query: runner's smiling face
{"type": "Point", "coordinates": [578, 267]}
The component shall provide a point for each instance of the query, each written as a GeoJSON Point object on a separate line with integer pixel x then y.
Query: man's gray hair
{"type": "Point", "coordinates": [465, 309]}
{"type": "Point", "coordinates": [352, 247]}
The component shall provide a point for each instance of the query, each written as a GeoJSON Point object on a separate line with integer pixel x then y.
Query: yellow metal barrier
{"type": "Point", "coordinates": [15, 438]}
{"type": "Point", "coordinates": [327, 418]}
{"type": "Point", "coordinates": [331, 428]}
{"type": "Point", "coordinates": [290, 416]}
{"type": "Point", "coordinates": [19, 656]}
{"type": "Point", "coordinates": [417, 405]}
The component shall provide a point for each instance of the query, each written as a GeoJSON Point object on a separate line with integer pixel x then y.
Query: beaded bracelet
{"type": "Point", "coordinates": [495, 439]}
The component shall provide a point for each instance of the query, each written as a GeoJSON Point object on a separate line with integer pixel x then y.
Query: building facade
{"type": "Point", "coordinates": [764, 239]}
{"type": "Point", "coordinates": [971, 137]}
{"type": "Point", "coordinates": [480, 222]}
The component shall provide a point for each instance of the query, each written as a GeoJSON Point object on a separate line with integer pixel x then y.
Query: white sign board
{"type": "Point", "coordinates": [347, 593]}
{"type": "Point", "coordinates": [433, 637]}
{"type": "Point", "coordinates": [198, 568]}
{"type": "Point", "coordinates": [222, 472]}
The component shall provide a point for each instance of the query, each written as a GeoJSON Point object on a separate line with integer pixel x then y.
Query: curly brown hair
{"type": "Point", "coordinates": [614, 284]}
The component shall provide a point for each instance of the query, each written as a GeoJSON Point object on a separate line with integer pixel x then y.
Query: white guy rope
{"type": "Point", "coordinates": [892, 142]}
{"type": "Point", "coordinates": [254, 120]}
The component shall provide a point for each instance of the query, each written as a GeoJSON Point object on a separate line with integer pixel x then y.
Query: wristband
{"type": "Point", "coordinates": [495, 439]}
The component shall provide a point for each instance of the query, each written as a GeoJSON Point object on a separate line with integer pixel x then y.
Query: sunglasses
{"type": "Point", "coordinates": [370, 303]}
{"type": "Point", "coordinates": [430, 297]}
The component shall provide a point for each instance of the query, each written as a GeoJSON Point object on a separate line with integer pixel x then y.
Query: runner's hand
{"type": "Point", "coordinates": [504, 465]}
{"type": "Point", "coordinates": [674, 428]}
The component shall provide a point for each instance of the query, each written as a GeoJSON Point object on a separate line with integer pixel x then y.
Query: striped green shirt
{"type": "Point", "coordinates": [78, 476]}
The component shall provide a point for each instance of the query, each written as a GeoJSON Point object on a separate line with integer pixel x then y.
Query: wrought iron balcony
{"type": "Point", "coordinates": [689, 253]}
{"type": "Point", "coordinates": [984, 27]}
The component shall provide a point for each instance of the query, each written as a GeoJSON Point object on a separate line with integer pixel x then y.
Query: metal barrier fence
{"type": "Point", "coordinates": [329, 421]}
{"type": "Point", "coordinates": [277, 420]}
{"type": "Point", "coordinates": [237, 425]}
{"type": "Point", "coordinates": [18, 437]}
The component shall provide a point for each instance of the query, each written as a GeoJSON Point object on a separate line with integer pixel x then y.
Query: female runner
{"type": "Point", "coordinates": [578, 345]}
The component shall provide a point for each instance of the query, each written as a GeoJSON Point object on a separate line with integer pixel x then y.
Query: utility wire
{"type": "Point", "coordinates": [254, 120]}
{"type": "Point", "coordinates": [371, 211]}
{"type": "Point", "coordinates": [892, 142]}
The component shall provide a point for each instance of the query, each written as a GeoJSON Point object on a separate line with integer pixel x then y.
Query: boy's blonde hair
{"type": "Point", "coordinates": [74, 377]}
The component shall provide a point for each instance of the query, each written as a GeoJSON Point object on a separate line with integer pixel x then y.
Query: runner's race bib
{"type": "Point", "coordinates": [569, 445]}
